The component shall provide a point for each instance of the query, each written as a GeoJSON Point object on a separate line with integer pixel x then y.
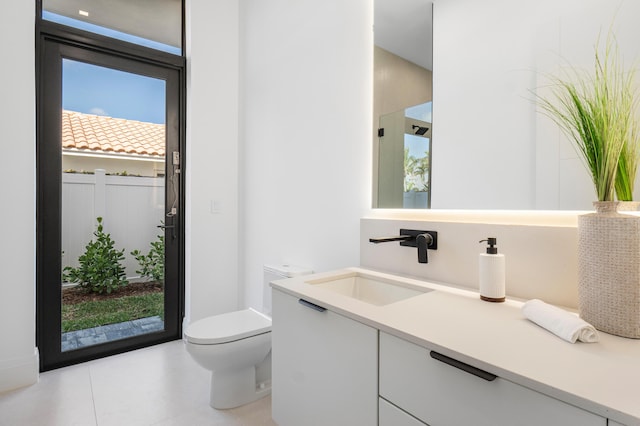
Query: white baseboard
{"type": "Point", "coordinates": [19, 372]}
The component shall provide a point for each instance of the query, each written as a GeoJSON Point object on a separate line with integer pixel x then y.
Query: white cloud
{"type": "Point", "coordinates": [98, 111]}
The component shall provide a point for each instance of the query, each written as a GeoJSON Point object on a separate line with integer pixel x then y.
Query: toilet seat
{"type": "Point", "coordinates": [228, 327]}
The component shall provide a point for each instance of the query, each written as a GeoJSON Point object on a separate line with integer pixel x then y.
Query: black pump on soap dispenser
{"type": "Point", "coordinates": [491, 245]}
{"type": "Point", "coordinates": [492, 273]}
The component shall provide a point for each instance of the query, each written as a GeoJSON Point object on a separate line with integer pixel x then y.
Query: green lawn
{"type": "Point", "coordinates": [110, 311]}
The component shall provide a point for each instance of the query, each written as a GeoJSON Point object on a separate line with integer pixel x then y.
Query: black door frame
{"type": "Point", "coordinates": [55, 42]}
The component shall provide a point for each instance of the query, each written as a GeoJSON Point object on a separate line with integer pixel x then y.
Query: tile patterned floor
{"type": "Point", "coordinates": [159, 385]}
{"type": "Point", "coordinates": [106, 333]}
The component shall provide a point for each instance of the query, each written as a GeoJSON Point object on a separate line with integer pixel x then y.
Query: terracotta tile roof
{"type": "Point", "coordinates": [86, 132]}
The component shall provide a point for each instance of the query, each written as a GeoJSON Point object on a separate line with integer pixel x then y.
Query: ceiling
{"type": "Point", "coordinates": [157, 20]}
{"type": "Point", "coordinates": [404, 27]}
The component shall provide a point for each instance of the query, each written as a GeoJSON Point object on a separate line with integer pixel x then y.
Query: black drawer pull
{"type": "Point", "coordinates": [464, 367]}
{"type": "Point", "coordinates": [311, 305]}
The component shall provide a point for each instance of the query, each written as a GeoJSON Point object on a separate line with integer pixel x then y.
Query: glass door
{"type": "Point", "coordinates": [109, 205]}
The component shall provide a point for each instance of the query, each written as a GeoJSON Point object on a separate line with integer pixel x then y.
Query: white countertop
{"type": "Point", "coordinates": [603, 377]}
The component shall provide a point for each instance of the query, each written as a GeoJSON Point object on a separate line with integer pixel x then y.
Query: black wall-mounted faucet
{"type": "Point", "coordinates": [423, 240]}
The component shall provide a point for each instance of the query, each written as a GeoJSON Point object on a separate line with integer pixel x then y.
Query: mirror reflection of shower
{"type": "Point", "coordinates": [404, 167]}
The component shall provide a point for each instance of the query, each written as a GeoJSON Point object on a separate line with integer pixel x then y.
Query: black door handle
{"type": "Point", "coordinates": [172, 227]}
{"type": "Point", "coordinates": [311, 305]}
{"type": "Point", "coordinates": [464, 367]}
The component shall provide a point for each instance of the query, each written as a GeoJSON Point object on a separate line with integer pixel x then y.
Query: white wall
{"type": "Point", "coordinates": [491, 149]}
{"type": "Point", "coordinates": [212, 157]}
{"type": "Point", "coordinates": [541, 257]}
{"type": "Point", "coordinates": [18, 361]}
{"type": "Point", "coordinates": [306, 122]}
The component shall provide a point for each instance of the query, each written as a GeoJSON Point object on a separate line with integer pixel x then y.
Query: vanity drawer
{"type": "Point", "coordinates": [390, 415]}
{"type": "Point", "coordinates": [440, 394]}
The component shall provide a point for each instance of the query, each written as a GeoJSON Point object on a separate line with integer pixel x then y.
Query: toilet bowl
{"type": "Point", "coordinates": [232, 346]}
{"type": "Point", "coordinates": [236, 347]}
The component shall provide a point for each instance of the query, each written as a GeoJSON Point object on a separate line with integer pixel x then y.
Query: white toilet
{"type": "Point", "coordinates": [236, 347]}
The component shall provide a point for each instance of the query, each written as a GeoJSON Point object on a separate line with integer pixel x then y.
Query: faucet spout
{"type": "Point", "coordinates": [390, 239]}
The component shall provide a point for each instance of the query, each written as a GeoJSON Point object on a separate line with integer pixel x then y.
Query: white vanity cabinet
{"type": "Point", "coordinates": [390, 415]}
{"type": "Point", "coordinates": [440, 390]}
{"type": "Point", "coordinates": [325, 366]}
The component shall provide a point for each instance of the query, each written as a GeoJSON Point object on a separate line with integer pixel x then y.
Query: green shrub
{"type": "Point", "coordinates": [152, 263]}
{"type": "Point", "coordinates": [100, 269]}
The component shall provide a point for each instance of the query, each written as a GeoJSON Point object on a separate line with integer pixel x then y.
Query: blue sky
{"type": "Point", "coordinates": [76, 23]}
{"type": "Point", "coordinates": [98, 90]}
{"type": "Point", "coordinates": [418, 145]}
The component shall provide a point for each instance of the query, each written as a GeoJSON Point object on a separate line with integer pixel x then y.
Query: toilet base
{"type": "Point", "coordinates": [231, 389]}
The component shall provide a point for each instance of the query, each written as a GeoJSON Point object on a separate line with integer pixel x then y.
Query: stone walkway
{"type": "Point", "coordinates": [106, 333]}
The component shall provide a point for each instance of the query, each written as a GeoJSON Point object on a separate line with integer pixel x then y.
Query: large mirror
{"type": "Point", "coordinates": [491, 148]}
{"type": "Point", "coordinates": [402, 107]}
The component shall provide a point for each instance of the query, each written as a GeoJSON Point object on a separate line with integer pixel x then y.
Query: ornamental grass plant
{"type": "Point", "coordinates": [598, 113]}
{"type": "Point", "coordinates": [628, 165]}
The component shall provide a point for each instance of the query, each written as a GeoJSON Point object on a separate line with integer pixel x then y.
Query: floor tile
{"type": "Point", "coordinates": [61, 397]}
{"type": "Point", "coordinates": [160, 385]}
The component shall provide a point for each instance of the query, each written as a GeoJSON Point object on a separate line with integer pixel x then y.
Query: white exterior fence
{"type": "Point", "coordinates": [131, 209]}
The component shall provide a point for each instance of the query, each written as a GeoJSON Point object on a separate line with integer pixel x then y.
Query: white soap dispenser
{"type": "Point", "coordinates": [492, 273]}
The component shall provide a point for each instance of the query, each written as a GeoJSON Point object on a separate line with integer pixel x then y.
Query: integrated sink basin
{"type": "Point", "coordinates": [368, 288]}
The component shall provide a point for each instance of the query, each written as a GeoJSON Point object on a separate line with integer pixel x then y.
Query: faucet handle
{"type": "Point", "coordinates": [423, 241]}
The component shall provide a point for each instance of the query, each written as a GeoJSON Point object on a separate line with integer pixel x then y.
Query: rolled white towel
{"type": "Point", "coordinates": [560, 322]}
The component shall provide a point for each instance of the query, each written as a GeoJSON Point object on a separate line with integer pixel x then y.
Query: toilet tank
{"type": "Point", "coordinates": [278, 272]}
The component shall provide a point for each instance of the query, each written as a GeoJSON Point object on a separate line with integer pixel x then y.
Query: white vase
{"type": "Point", "coordinates": [609, 270]}
{"type": "Point", "coordinates": [629, 207]}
